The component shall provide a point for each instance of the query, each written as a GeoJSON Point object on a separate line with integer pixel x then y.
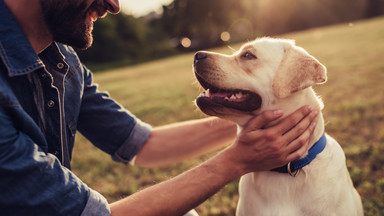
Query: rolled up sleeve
{"type": "Point", "coordinates": [134, 143]}
{"type": "Point", "coordinates": [108, 125]}
{"type": "Point", "coordinates": [97, 205]}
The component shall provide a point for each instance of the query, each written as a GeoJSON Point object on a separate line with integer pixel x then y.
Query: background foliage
{"type": "Point", "coordinates": [124, 39]}
{"type": "Point", "coordinates": [163, 91]}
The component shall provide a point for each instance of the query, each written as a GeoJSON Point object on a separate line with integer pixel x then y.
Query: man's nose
{"type": "Point", "coordinates": [113, 6]}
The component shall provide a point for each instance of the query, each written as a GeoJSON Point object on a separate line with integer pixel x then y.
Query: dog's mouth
{"type": "Point", "coordinates": [242, 100]}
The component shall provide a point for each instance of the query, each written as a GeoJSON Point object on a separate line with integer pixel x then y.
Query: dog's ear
{"type": "Point", "coordinates": [298, 70]}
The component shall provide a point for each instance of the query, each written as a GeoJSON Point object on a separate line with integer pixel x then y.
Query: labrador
{"type": "Point", "coordinates": [267, 74]}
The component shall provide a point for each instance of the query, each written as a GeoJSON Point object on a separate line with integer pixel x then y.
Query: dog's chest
{"type": "Point", "coordinates": [270, 193]}
{"type": "Point", "coordinates": [320, 186]}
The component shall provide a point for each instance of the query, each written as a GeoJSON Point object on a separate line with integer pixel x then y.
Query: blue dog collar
{"type": "Point", "coordinates": [293, 168]}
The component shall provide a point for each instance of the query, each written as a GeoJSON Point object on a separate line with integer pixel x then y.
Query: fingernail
{"type": "Point", "coordinates": [313, 125]}
{"type": "Point", "coordinates": [277, 112]}
{"type": "Point", "coordinates": [308, 108]}
{"type": "Point", "coordinates": [315, 113]}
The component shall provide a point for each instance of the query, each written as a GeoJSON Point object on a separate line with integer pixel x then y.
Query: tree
{"type": "Point", "coordinates": [202, 21]}
{"type": "Point", "coordinates": [126, 38]}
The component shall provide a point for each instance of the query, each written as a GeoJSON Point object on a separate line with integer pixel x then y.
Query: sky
{"type": "Point", "coordinates": [142, 7]}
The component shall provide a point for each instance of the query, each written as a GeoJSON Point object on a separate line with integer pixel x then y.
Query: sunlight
{"type": "Point", "coordinates": [143, 7]}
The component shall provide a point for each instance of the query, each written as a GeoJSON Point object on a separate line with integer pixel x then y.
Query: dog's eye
{"type": "Point", "coordinates": [248, 55]}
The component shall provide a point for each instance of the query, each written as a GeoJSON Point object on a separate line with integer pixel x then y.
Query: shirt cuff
{"type": "Point", "coordinates": [97, 205]}
{"type": "Point", "coordinates": [139, 135]}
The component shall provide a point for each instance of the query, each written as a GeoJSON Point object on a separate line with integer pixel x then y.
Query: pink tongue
{"type": "Point", "coordinates": [222, 95]}
{"type": "Point", "coordinates": [227, 95]}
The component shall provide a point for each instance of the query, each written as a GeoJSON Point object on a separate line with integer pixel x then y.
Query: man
{"type": "Point", "coordinates": [46, 95]}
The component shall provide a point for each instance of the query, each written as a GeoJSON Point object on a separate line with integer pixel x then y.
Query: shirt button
{"type": "Point", "coordinates": [43, 75]}
{"type": "Point", "coordinates": [60, 65]}
{"type": "Point", "coordinates": [56, 153]}
{"type": "Point", "coordinates": [51, 103]}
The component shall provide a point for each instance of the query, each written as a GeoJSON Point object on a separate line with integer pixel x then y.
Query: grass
{"type": "Point", "coordinates": [163, 91]}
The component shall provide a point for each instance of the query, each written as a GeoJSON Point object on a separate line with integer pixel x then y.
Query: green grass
{"type": "Point", "coordinates": [163, 91]}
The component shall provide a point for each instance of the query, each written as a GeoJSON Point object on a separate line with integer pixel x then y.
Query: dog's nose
{"type": "Point", "coordinates": [200, 55]}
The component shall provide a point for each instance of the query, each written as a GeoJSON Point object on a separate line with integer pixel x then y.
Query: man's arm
{"type": "Point", "coordinates": [178, 142]}
{"type": "Point", "coordinates": [255, 149]}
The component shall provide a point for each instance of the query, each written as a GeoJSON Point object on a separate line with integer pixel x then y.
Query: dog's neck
{"type": "Point", "coordinates": [291, 104]}
{"type": "Point", "coordinates": [302, 98]}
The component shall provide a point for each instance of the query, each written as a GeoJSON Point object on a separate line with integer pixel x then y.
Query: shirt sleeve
{"type": "Point", "coordinates": [108, 125]}
{"type": "Point", "coordinates": [133, 144]}
{"type": "Point", "coordinates": [34, 183]}
{"type": "Point", "coordinates": [97, 205]}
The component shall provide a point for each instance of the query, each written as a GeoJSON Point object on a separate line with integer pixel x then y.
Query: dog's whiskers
{"type": "Point", "coordinates": [231, 48]}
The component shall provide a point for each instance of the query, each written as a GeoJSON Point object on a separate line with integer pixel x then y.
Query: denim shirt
{"type": "Point", "coordinates": [44, 100]}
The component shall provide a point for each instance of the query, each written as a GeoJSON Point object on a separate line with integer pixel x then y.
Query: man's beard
{"type": "Point", "coordinates": [66, 21]}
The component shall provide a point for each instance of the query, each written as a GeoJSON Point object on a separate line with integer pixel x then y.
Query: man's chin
{"type": "Point", "coordinates": [82, 42]}
{"type": "Point", "coordinates": [85, 45]}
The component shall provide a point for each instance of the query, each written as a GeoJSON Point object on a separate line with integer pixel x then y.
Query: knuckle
{"type": "Point", "coordinates": [296, 156]}
{"type": "Point", "coordinates": [301, 130]}
{"type": "Point", "coordinates": [271, 135]}
{"type": "Point", "coordinates": [292, 121]}
{"type": "Point", "coordinates": [305, 110]}
{"type": "Point", "coordinates": [282, 160]}
{"type": "Point", "coordinates": [266, 116]}
{"type": "Point", "coordinates": [299, 153]}
{"type": "Point", "coordinates": [301, 140]}
{"type": "Point", "coordinates": [275, 148]}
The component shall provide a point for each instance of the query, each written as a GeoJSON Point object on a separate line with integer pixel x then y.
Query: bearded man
{"type": "Point", "coordinates": [47, 95]}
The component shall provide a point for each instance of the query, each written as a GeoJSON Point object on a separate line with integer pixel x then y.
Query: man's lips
{"type": "Point", "coordinates": [93, 16]}
{"type": "Point", "coordinates": [97, 10]}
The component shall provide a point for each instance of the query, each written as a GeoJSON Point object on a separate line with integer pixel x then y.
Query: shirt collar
{"type": "Point", "coordinates": [16, 52]}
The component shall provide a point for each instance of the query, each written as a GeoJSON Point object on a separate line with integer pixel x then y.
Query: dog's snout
{"type": "Point", "coordinates": [200, 55]}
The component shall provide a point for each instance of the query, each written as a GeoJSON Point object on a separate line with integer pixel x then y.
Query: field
{"type": "Point", "coordinates": [163, 91]}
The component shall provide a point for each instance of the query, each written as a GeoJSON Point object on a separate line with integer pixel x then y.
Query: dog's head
{"type": "Point", "coordinates": [262, 75]}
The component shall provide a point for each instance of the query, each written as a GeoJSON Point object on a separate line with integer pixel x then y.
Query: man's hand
{"type": "Point", "coordinates": [255, 149]}
{"type": "Point", "coordinates": [260, 149]}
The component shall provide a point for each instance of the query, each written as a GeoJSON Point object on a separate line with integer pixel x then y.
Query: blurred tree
{"type": "Point", "coordinates": [203, 22]}
{"type": "Point", "coordinates": [280, 16]}
{"type": "Point", "coordinates": [375, 8]}
{"type": "Point", "coordinates": [126, 38]}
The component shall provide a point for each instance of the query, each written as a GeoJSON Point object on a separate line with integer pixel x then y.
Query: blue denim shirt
{"type": "Point", "coordinates": [44, 100]}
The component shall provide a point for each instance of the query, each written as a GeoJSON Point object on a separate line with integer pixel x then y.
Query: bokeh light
{"type": "Point", "coordinates": [186, 42]}
{"type": "Point", "coordinates": [225, 36]}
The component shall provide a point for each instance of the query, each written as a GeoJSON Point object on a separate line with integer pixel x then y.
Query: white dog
{"type": "Point", "coordinates": [271, 74]}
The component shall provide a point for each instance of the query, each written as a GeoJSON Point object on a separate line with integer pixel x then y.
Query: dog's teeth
{"type": "Point", "coordinates": [233, 97]}
{"type": "Point", "coordinates": [226, 98]}
{"type": "Point", "coordinates": [205, 93]}
{"type": "Point", "coordinates": [239, 95]}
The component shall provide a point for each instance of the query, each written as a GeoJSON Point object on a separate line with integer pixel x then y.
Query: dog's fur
{"type": "Point", "coordinates": [276, 74]}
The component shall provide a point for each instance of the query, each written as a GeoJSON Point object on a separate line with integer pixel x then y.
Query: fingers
{"type": "Point", "coordinates": [284, 142]}
{"type": "Point", "coordinates": [300, 145]}
{"type": "Point", "coordinates": [299, 128]}
{"type": "Point", "coordinates": [263, 119]}
{"type": "Point", "coordinates": [296, 130]}
{"type": "Point", "coordinates": [290, 121]}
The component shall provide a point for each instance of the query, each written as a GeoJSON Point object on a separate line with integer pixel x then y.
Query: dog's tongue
{"type": "Point", "coordinates": [240, 100]}
{"type": "Point", "coordinates": [228, 96]}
